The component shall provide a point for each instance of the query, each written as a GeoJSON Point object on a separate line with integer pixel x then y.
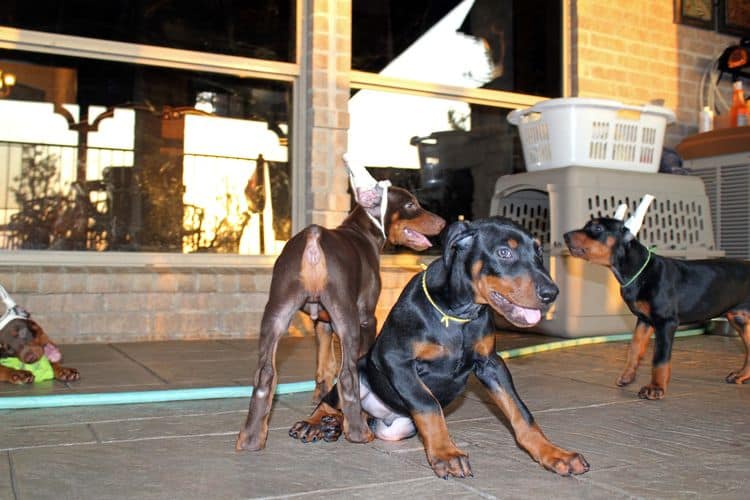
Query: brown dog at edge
{"type": "Point", "coordinates": [334, 276]}
{"type": "Point", "coordinates": [26, 340]}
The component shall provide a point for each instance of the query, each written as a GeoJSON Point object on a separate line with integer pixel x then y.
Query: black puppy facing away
{"type": "Point", "coordinates": [439, 331]}
{"type": "Point", "coordinates": [664, 293]}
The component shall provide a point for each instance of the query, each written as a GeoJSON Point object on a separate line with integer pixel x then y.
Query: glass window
{"type": "Point", "coordinates": [510, 45]}
{"type": "Point", "coordinates": [450, 153]}
{"type": "Point", "coordinates": [109, 156]}
{"type": "Point", "coordinates": [262, 29]}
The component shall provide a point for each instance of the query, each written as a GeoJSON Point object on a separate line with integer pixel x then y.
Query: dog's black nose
{"type": "Point", "coordinates": [547, 293]}
{"type": "Point", "coordinates": [566, 237]}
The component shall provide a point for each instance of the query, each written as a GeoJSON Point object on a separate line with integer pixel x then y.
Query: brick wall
{"type": "Point", "coordinates": [122, 304]}
{"type": "Point", "coordinates": [632, 51]}
{"type": "Point", "coordinates": [327, 68]}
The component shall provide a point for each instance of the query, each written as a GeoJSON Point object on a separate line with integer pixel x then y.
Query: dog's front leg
{"type": "Point", "coordinates": [15, 376]}
{"type": "Point", "coordinates": [492, 372]}
{"type": "Point", "coordinates": [638, 345]}
{"type": "Point", "coordinates": [740, 322]}
{"type": "Point", "coordinates": [662, 366]}
{"type": "Point", "coordinates": [443, 455]}
{"type": "Point", "coordinates": [65, 374]}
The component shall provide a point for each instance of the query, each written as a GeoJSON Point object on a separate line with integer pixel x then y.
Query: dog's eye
{"type": "Point", "coordinates": [410, 205]}
{"type": "Point", "coordinates": [597, 228]}
{"type": "Point", "coordinates": [505, 253]}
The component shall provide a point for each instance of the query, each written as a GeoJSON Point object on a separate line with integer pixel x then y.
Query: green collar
{"type": "Point", "coordinates": [648, 259]}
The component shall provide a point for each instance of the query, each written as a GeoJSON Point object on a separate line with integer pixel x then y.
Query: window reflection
{"type": "Point", "coordinates": [133, 160]}
{"type": "Point", "coordinates": [512, 45]}
{"type": "Point", "coordinates": [450, 153]}
{"type": "Point", "coordinates": [262, 29]}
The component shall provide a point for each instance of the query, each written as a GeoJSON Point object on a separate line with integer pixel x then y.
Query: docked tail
{"type": "Point", "coordinates": [313, 268]}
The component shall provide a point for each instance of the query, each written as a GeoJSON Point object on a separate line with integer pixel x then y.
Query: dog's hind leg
{"type": "Point", "coordinates": [740, 321]}
{"type": "Point", "coordinates": [326, 368]}
{"type": "Point", "coordinates": [638, 345]}
{"type": "Point", "coordinates": [275, 322]}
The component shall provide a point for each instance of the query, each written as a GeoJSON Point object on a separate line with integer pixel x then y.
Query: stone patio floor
{"type": "Point", "coordinates": [693, 444]}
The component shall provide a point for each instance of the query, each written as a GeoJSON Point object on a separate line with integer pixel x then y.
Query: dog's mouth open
{"type": "Point", "coordinates": [519, 316]}
{"type": "Point", "coordinates": [416, 240]}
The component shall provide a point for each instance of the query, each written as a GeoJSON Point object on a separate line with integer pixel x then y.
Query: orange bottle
{"type": "Point", "coordinates": [738, 114]}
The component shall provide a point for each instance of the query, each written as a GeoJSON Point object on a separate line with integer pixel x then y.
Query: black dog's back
{"type": "Point", "coordinates": [699, 289]}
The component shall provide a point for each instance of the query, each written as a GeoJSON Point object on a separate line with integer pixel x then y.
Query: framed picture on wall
{"type": "Point", "coordinates": [734, 17]}
{"type": "Point", "coordinates": [698, 13]}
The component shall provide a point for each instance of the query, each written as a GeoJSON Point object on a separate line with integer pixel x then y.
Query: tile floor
{"type": "Point", "coordinates": [694, 444]}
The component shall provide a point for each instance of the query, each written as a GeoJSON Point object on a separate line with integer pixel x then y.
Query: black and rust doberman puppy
{"type": "Point", "coordinates": [334, 275]}
{"type": "Point", "coordinates": [664, 293]}
{"type": "Point", "coordinates": [23, 338]}
{"type": "Point", "coordinates": [439, 331]}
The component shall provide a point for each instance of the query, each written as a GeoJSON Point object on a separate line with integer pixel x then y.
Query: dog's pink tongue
{"type": "Point", "coordinates": [52, 353]}
{"type": "Point", "coordinates": [531, 316]}
{"type": "Point", "coordinates": [417, 239]}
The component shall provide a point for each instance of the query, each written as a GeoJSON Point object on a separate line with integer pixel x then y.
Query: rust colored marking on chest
{"type": "Point", "coordinates": [428, 350]}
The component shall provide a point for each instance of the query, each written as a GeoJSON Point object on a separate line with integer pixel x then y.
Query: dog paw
{"type": "Point", "coordinates": [64, 374]}
{"type": "Point", "coordinates": [739, 377]}
{"type": "Point", "coordinates": [451, 463]}
{"type": "Point", "coordinates": [327, 429]}
{"type": "Point", "coordinates": [361, 434]}
{"type": "Point", "coordinates": [651, 392]}
{"type": "Point", "coordinates": [625, 379]}
{"type": "Point", "coordinates": [21, 377]}
{"type": "Point", "coordinates": [565, 463]}
{"type": "Point", "coordinates": [249, 442]}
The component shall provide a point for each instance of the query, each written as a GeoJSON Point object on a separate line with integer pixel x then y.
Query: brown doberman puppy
{"type": "Point", "coordinates": [439, 332]}
{"type": "Point", "coordinates": [334, 276]}
{"type": "Point", "coordinates": [23, 338]}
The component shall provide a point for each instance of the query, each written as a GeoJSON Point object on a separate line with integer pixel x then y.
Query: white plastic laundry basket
{"type": "Point", "coordinates": [598, 133]}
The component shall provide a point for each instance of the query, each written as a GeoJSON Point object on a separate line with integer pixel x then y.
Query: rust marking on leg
{"type": "Point", "coordinates": [657, 388]}
{"type": "Point", "coordinates": [442, 454]}
{"type": "Point", "coordinates": [739, 321]}
{"type": "Point", "coordinates": [531, 438]}
{"type": "Point", "coordinates": [638, 346]}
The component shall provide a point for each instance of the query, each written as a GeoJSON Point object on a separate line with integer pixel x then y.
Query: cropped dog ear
{"type": "Point", "coordinates": [459, 236]}
{"type": "Point", "coordinates": [627, 235]}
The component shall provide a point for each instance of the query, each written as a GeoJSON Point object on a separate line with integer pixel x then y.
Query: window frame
{"type": "Point", "coordinates": [151, 55]}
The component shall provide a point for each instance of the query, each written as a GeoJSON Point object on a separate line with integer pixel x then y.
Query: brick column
{"type": "Point", "coordinates": [326, 65]}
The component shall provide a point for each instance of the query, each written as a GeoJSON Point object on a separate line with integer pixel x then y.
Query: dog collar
{"type": "Point", "coordinates": [12, 311]}
{"type": "Point", "coordinates": [445, 319]}
{"type": "Point", "coordinates": [648, 259]}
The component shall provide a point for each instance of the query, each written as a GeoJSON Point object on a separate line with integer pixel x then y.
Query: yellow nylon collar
{"type": "Point", "coordinates": [445, 319]}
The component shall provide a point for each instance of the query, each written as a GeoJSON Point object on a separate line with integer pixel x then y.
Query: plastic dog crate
{"type": "Point", "coordinates": [552, 202]}
{"type": "Point", "coordinates": [598, 133]}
